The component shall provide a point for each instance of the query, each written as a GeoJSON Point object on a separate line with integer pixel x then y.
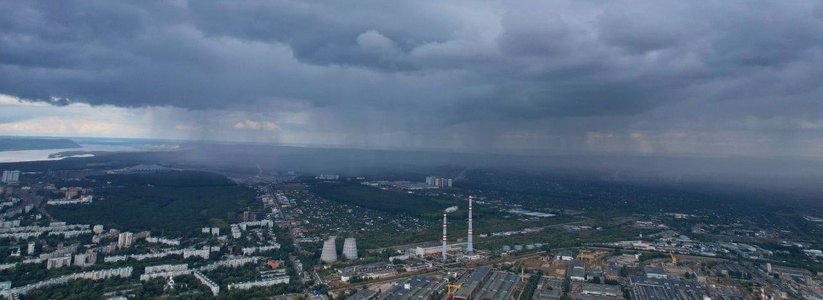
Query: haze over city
{"type": "Point", "coordinates": [411, 150]}
{"type": "Point", "coordinates": [733, 78]}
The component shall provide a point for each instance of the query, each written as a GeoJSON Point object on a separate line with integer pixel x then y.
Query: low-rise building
{"type": "Point", "coordinates": [601, 290]}
{"type": "Point", "coordinates": [369, 271]}
{"type": "Point", "coordinates": [58, 262]}
{"type": "Point", "coordinates": [264, 282]}
{"type": "Point", "coordinates": [655, 272]}
{"type": "Point", "coordinates": [166, 270]}
{"type": "Point", "coordinates": [577, 270]}
{"type": "Point", "coordinates": [364, 294]}
{"type": "Point", "coordinates": [564, 255]}
{"type": "Point", "coordinates": [215, 289]}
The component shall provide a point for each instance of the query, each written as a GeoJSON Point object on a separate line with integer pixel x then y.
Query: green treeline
{"type": "Point", "coordinates": [528, 290]}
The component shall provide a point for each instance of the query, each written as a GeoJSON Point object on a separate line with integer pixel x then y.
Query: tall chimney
{"type": "Point", "coordinates": [444, 237]}
{"type": "Point", "coordinates": [469, 245]}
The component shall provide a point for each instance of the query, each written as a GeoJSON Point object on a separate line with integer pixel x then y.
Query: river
{"type": "Point", "coordinates": [40, 155]}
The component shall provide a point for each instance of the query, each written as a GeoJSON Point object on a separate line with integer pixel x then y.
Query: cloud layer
{"type": "Point", "coordinates": [626, 76]}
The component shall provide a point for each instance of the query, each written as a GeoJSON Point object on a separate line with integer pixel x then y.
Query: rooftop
{"type": "Point", "coordinates": [467, 289]}
{"type": "Point", "coordinates": [416, 287]}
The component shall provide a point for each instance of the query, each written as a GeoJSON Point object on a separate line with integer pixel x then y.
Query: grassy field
{"type": "Point", "coordinates": [487, 219]}
{"type": "Point", "coordinates": [178, 203]}
{"type": "Point", "coordinates": [377, 199]}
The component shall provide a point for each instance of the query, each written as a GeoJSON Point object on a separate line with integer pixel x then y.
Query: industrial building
{"type": "Point", "coordinates": [415, 287]}
{"type": "Point", "coordinates": [329, 253]}
{"type": "Point", "coordinates": [577, 270]}
{"type": "Point", "coordinates": [644, 288]}
{"type": "Point", "coordinates": [499, 286]}
{"type": "Point", "coordinates": [484, 284]}
{"type": "Point", "coordinates": [564, 255]}
{"type": "Point", "coordinates": [655, 272]}
{"type": "Point", "coordinates": [468, 289]}
{"type": "Point", "coordinates": [364, 294]}
{"type": "Point", "coordinates": [601, 290]}
{"type": "Point", "coordinates": [373, 270]}
{"type": "Point", "coordinates": [350, 248]}
{"type": "Point", "coordinates": [548, 289]}
{"type": "Point", "coordinates": [429, 250]}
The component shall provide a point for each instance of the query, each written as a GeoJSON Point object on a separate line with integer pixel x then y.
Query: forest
{"type": "Point", "coordinates": [377, 199]}
{"type": "Point", "coordinates": [174, 202]}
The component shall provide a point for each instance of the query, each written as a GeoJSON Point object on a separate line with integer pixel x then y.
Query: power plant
{"type": "Point", "coordinates": [329, 254]}
{"type": "Point", "coordinates": [350, 248]}
{"type": "Point", "coordinates": [469, 246]}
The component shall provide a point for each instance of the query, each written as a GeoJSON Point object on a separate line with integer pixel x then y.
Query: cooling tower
{"type": "Point", "coordinates": [350, 248]}
{"type": "Point", "coordinates": [329, 253]}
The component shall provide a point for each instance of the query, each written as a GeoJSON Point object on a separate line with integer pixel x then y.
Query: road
{"type": "Point", "coordinates": [439, 269]}
{"type": "Point", "coordinates": [428, 243]}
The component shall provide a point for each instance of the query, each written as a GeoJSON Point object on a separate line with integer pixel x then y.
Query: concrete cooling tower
{"type": "Point", "coordinates": [329, 254]}
{"type": "Point", "coordinates": [350, 248]}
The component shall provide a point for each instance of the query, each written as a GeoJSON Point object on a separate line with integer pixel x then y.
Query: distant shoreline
{"type": "Point", "coordinates": [58, 154]}
{"type": "Point", "coordinates": [26, 143]}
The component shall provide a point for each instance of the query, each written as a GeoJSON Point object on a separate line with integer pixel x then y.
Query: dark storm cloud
{"type": "Point", "coordinates": [325, 33]}
{"type": "Point", "coordinates": [424, 64]}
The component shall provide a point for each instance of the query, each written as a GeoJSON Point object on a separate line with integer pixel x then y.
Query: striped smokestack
{"type": "Point", "coordinates": [469, 245]}
{"type": "Point", "coordinates": [444, 237]}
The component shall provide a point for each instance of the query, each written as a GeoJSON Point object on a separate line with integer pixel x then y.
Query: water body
{"type": "Point", "coordinates": [40, 155]}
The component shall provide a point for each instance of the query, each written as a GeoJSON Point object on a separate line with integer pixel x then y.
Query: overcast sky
{"type": "Point", "coordinates": [639, 77]}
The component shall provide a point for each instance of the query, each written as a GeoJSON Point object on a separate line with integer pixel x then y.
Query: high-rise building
{"type": "Point", "coordinates": [247, 216]}
{"type": "Point", "coordinates": [141, 235]}
{"type": "Point", "coordinates": [11, 176]}
{"type": "Point", "coordinates": [329, 253]}
{"type": "Point", "coordinates": [438, 182]}
{"type": "Point", "coordinates": [124, 240]}
{"type": "Point", "coordinates": [430, 180]}
{"type": "Point", "coordinates": [350, 248]}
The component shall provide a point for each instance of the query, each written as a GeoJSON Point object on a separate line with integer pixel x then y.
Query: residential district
{"type": "Point", "coordinates": [296, 245]}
